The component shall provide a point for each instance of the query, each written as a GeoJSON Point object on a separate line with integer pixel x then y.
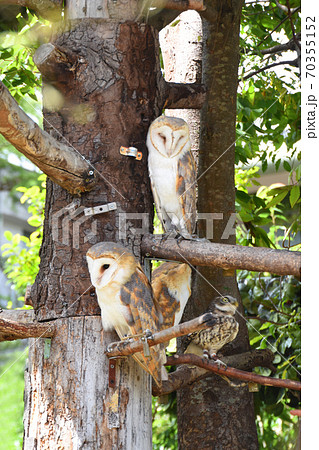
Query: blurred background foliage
{"type": "Point", "coordinates": [268, 135]}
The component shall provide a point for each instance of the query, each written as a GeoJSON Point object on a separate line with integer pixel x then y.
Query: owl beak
{"type": "Point", "coordinates": [94, 271]}
{"type": "Point", "coordinates": [171, 149]}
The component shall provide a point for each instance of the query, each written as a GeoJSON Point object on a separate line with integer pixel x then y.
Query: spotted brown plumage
{"type": "Point", "coordinates": [126, 300]}
{"type": "Point", "coordinates": [222, 330]}
{"type": "Point", "coordinates": [171, 283]}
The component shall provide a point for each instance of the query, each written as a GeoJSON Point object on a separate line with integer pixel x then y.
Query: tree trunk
{"type": "Point", "coordinates": [72, 401]}
{"type": "Point", "coordinates": [110, 97]}
{"type": "Point", "coordinates": [182, 50]}
{"type": "Point", "coordinates": [210, 411]}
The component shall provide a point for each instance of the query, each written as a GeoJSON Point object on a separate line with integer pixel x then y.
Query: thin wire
{"type": "Point", "coordinates": [243, 317]}
{"type": "Point", "coordinates": [69, 143]}
{"type": "Point", "coordinates": [42, 334]}
{"type": "Point", "coordinates": [231, 145]}
{"type": "Point", "coordinates": [30, 346]}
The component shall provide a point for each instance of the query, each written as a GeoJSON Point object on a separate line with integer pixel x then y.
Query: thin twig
{"type": "Point", "coordinates": [293, 63]}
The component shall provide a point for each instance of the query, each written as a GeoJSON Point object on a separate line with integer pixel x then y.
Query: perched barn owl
{"type": "Point", "coordinates": [126, 300]}
{"type": "Point", "coordinates": [172, 172]}
{"type": "Point", "coordinates": [171, 283]}
{"type": "Point", "coordinates": [223, 329]}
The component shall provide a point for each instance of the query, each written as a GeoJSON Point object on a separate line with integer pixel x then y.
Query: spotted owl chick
{"type": "Point", "coordinates": [171, 283]}
{"type": "Point", "coordinates": [172, 173]}
{"type": "Point", "coordinates": [223, 329]}
{"type": "Point", "coordinates": [126, 300]}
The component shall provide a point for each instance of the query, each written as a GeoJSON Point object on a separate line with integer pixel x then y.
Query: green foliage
{"type": "Point", "coordinates": [164, 424]}
{"type": "Point", "coordinates": [18, 71]}
{"type": "Point", "coordinates": [12, 365]}
{"type": "Point", "coordinates": [268, 129]}
{"type": "Point", "coordinates": [21, 252]}
{"type": "Point", "coordinates": [19, 38]}
{"type": "Point", "coordinates": [273, 307]}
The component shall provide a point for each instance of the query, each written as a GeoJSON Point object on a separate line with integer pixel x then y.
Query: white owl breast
{"type": "Point", "coordinates": [163, 174]}
{"type": "Point", "coordinates": [113, 311]}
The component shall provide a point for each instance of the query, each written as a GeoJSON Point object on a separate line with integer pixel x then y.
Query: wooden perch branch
{"type": "Point", "coordinates": [179, 5]}
{"type": "Point", "coordinates": [61, 163]}
{"type": "Point", "coordinates": [179, 96]}
{"type": "Point", "coordinates": [189, 374]}
{"type": "Point", "coordinates": [225, 256]}
{"type": "Point", "coordinates": [128, 347]}
{"type": "Point", "coordinates": [21, 325]}
{"type": "Point", "coordinates": [230, 372]}
{"type": "Point", "coordinates": [49, 9]}
{"type": "Point", "coordinates": [56, 64]}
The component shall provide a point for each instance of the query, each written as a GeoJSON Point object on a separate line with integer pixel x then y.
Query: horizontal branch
{"type": "Point", "coordinates": [225, 256]}
{"type": "Point", "coordinates": [49, 9]}
{"type": "Point", "coordinates": [230, 372]}
{"type": "Point", "coordinates": [22, 325]}
{"type": "Point", "coordinates": [293, 63]}
{"type": "Point", "coordinates": [129, 347]}
{"type": "Point", "coordinates": [186, 375]}
{"type": "Point", "coordinates": [290, 45]}
{"type": "Point", "coordinates": [63, 164]}
{"type": "Point", "coordinates": [180, 96]}
{"type": "Point", "coordinates": [179, 5]}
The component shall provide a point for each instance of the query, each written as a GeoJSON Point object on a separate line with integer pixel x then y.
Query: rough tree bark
{"type": "Point", "coordinates": [210, 411]}
{"type": "Point", "coordinates": [72, 399]}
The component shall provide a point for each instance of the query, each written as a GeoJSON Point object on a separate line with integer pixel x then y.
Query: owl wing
{"type": "Point", "coordinates": [144, 314]}
{"type": "Point", "coordinates": [222, 331]}
{"type": "Point", "coordinates": [186, 190]}
{"type": "Point", "coordinates": [171, 283]}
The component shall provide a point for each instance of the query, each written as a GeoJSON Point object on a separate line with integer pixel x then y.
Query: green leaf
{"type": "Point", "coordinates": [8, 235]}
{"type": "Point", "coordinates": [294, 195]}
{"type": "Point", "coordinates": [277, 199]}
{"type": "Point", "coordinates": [287, 166]}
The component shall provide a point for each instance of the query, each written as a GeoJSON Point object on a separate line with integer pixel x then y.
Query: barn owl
{"type": "Point", "coordinates": [223, 329]}
{"type": "Point", "coordinates": [126, 300]}
{"type": "Point", "coordinates": [172, 172]}
{"type": "Point", "coordinates": [171, 283]}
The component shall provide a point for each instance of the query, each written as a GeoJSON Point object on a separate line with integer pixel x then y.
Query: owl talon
{"type": "Point", "coordinates": [165, 236]}
{"type": "Point", "coordinates": [219, 362]}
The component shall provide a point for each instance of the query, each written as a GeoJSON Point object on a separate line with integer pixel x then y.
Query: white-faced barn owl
{"type": "Point", "coordinates": [223, 329]}
{"type": "Point", "coordinates": [171, 283]}
{"type": "Point", "coordinates": [126, 300]}
{"type": "Point", "coordinates": [172, 172]}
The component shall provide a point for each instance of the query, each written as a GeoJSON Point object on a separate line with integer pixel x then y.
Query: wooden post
{"type": "Point", "coordinates": [70, 400]}
{"type": "Point", "coordinates": [108, 79]}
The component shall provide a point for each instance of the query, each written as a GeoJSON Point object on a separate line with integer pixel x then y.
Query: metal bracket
{"type": "Point", "coordinates": [131, 151]}
{"type": "Point", "coordinates": [146, 348]}
{"type": "Point", "coordinates": [112, 371]}
{"type": "Point", "coordinates": [100, 209]}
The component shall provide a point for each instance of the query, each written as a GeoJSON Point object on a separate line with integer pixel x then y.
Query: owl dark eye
{"type": "Point", "coordinates": [225, 299]}
{"type": "Point", "coordinates": [105, 266]}
{"type": "Point", "coordinates": [163, 137]}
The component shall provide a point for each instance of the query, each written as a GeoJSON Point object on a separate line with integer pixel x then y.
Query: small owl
{"type": "Point", "coordinates": [171, 283]}
{"type": "Point", "coordinates": [223, 329]}
{"type": "Point", "coordinates": [172, 172]}
{"type": "Point", "coordinates": [126, 300]}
